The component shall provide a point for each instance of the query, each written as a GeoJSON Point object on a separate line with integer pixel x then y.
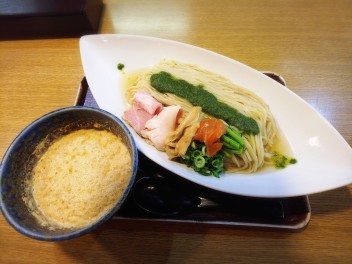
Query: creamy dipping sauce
{"type": "Point", "coordinates": [80, 177]}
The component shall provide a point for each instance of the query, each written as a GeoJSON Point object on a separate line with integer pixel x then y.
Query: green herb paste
{"type": "Point", "coordinates": [281, 161]}
{"type": "Point", "coordinates": [120, 66]}
{"type": "Point", "coordinates": [164, 82]}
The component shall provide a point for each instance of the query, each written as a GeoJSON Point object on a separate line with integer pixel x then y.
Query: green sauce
{"type": "Point", "coordinates": [164, 82]}
{"type": "Point", "coordinates": [281, 161]}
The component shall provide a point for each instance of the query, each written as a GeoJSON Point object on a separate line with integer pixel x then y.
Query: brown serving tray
{"type": "Point", "coordinates": [275, 213]}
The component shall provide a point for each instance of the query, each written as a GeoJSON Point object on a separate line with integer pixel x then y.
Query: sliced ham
{"type": "Point", "coordinates": [157, 128]}
{"type": "Point", "coordinates": [137, 118]}
{"type": "Point", "coordinates": [143, 109]}
{"type": "Point", "coordinates": [144, 100]}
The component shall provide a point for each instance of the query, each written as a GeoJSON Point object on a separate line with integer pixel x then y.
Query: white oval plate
{"type": "Point", "coordinates": [324, 157]}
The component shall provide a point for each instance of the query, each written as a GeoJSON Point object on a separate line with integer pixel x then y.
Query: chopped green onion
{"type": "Point", "coordinates": [199, 162]}
{"type": "Point", "coordinates": [203, 150]}
{"type": "Point", "coordinates": [196, 154]}
{"type": "Point", "coordinates": [197, 159]}
{"type": "Point", "coordinates": [193, 145]}
{"type": "Point", "coordinates": [217, 163]}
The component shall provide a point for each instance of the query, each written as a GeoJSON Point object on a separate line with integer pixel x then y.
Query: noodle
{"type": "Point", "coordinates": [246, 102]}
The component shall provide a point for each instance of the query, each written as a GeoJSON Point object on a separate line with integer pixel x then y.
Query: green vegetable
{"type": "Point", "coordinates": [233, 142]}
{"type": "Point", "coordinates": [196, 153]}
{"type": "Point", "coordinates": [164, 82]}
{"type": "Point", "coordinates": [217, 163]}
{"type": "Point", "coordinates": [120, 66]}
{"type": "Point", "coordinates": [229, 152]}
{"type": "Point", "coordinates": [235, 135]}
{"type": "Point", "coordinates": [197, 159]}
{"type": "Point", "coordinates": [199, 162]}
{"type": "Point", "coordinates": [281, 161]}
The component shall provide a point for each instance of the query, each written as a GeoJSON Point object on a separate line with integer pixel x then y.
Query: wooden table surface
{"type": "Point", "coordinates": [307, 42]}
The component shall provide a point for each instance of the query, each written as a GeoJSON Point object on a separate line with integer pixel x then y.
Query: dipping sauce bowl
{"type": "Point", "coordinates": [19, 161]}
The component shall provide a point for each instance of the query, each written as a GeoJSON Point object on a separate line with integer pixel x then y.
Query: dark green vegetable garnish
{"type": "Point", "coordinates": [281, 161]}
{"type": "Point", "coordinates": [197, 159]}
{"type": "Point", "coordinates": [164, 82]}
{"type": "Point", "coordinates": [233, 142]}
{"type": "Point", "coordinates": [120, 66]}
{"type": "Point", "coordinates": [199, 162]}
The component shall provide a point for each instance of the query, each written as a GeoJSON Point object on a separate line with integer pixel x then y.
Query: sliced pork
{"type": "Point", "coordinates": [137, 118]}
{"type": "Point", "coordinates": [157, 128]}
{"type": "Point", "coordinates": [143, 109]}
{"type": "Point", "coordinates": [144, 100]}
